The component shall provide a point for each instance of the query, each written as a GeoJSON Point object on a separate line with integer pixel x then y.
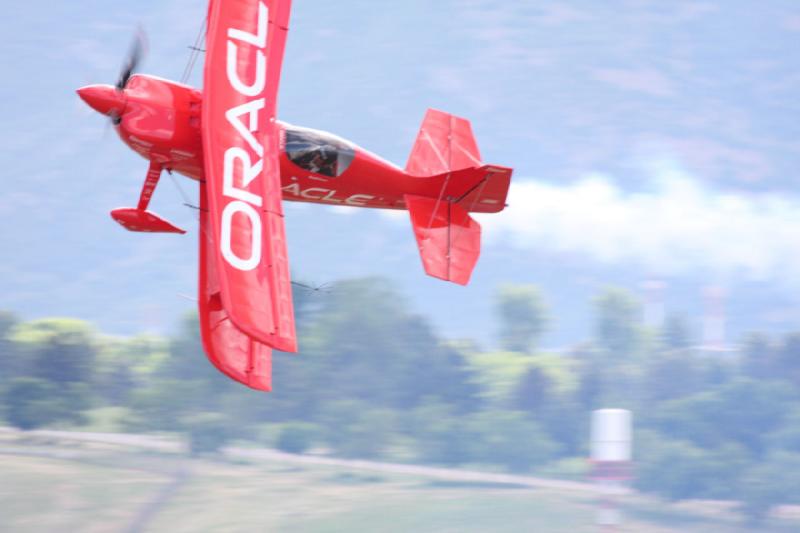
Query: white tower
{"type": "Point", "coordinates": [611, 459]}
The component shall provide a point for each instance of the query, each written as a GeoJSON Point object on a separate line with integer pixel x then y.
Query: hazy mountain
{"type": "Point", "coordinates": [649, 139]}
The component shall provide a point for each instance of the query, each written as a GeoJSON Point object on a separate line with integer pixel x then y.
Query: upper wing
{"type": "Point", "coordinates": [245, 45]}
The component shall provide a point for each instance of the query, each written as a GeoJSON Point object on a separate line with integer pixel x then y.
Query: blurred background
{"type": "Point", "coordinates": [647, 261]}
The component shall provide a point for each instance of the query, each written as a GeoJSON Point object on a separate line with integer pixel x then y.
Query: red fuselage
{"type": "Point", "coordinates": [160, 120]}
{"type": "Point", "coordinates": [247, 162]}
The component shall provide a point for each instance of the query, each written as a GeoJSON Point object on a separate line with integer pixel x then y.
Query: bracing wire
{"type": "Point", "coordinates": [324, 288]}
{"type": "Point", "coordinates": [195, 51]}
{"type": "Point", "coordinates": [183, 194]}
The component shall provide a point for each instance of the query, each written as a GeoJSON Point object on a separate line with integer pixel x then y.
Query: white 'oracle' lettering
{"type": "Point", "coordinates": [238, 206]}
{"type": "Point", "coordinates": [327, 195]}
{"type": "Point", "coordinates": [251, 109]}
{"type": "Point", "coordinates": [233, 72]}
{"type": "Point", "coordinates": [359, 200]}
{"type": "Point", "coordinates": [249, 172]}
{"type": "Point", "coordinates": [293, 188]}
{"type": "Point", "coordinates": [331, 198]}
{"type": "Point", "coordinates": [245, 120]}
{"type": "Point", "coordinates": [259, 39]}
{"type": "Point", "coordinates": [311, 193]}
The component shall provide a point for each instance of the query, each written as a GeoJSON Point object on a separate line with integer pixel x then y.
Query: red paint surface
{"type": "Point", "coordinates": [244, 288]}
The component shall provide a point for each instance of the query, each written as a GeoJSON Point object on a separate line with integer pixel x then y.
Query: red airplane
{"type": "Point", "coordinates": [227, 138]}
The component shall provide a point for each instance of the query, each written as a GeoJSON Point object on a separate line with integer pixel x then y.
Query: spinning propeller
{"type": "Point", "coordinates": [135, 57]}
{"type": "Point", "coordinates": [110, 100]}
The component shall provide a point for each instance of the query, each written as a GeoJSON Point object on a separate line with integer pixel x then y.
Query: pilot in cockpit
{"type": "Point", "coordinates": [317, 152]}
{"type": "Point", "coordinates": [323, 161]}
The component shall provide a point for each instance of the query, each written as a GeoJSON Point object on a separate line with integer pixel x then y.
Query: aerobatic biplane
{"type": "Point", "coordinates": [247, 162]}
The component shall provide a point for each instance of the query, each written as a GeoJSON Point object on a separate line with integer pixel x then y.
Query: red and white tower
{"type": "Point", "coordinates": [611, 462]}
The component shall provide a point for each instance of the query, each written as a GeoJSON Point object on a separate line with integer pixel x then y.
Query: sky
{"type": "Point", "coordinates": [649, 140]}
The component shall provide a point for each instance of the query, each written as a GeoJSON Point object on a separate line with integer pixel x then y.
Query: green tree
{"type": "Point", "coordinates": [523, 317]}
{"type": "Point", "coordinates": [162, 402]}
{"type": "Point", "coordinates": [307, 300]}
{"type": "Point", "coordinates": [187, 359]}
{"type": "Point", "coordinates": [566, 423]}
{"type": "Point", "coordinates": [591, 384]}
{"type": "Point", "coordinates": [59, 350]}
{"type": "Point", "coordinates": [788, 359]}
{"type": "Point", "coordinates": [366, 345]}
{"type": "Point", "coordinates": [207, 432]}
{"type": "Point", "coordinates": [743, 412]}
{"type": "Point", "coordinates": [758, 360]}
{"type": "Point", "coordinates": [10, 364]}
{"type": "Point", "coordinates": [678, 470]}
{"type": "Point", "coordinates": [617, 322]}
{"type": "Point", "coordinates": [355, 429]}
{"type": "Point", "coordinates": [765, 485]}
{"type": "Point", "coordinates": [509, 439]}
{"type": "Point", "coordinates": [297, 437]}
{"type": "Point", "coordinates": [533, 392]}
{"type": "Point", "coordinates": [677, 333]}
{"type": "Point", "coordinates": [123, 364]}
{"type": "Point", "coordinates": [172, 386]}
{"type": "Point", "coordinates": [787, 436]}
{"type": "Point", "coordinates": [182, 384]}
{"type": "Point", "coordinates": [7, 321]}
{"type": "Point", "coordinates": [604, 379]}
{"type": "Point", "coordinates": [439, 435]}
{"type": "Point", "coordinates": [31, 403]}
{"type": "Point", "coordinates": [671, 375]}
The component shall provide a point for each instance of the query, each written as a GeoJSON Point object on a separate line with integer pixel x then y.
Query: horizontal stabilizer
{"type": "Point", "coordinates": [477, 189]}
{"type": "Point", "coordinates": [490, 195]}
{"type": "Point", "coordinates": [449, 240]}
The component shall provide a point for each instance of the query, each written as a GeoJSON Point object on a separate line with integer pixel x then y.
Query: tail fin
{"type": "Point", "coordinates": [445, 143]}
{"type": "Point", "coordinates": [446, 153]}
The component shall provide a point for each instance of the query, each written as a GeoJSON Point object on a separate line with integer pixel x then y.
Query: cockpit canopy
{"type": "Point", "coordinates": [318, 151]}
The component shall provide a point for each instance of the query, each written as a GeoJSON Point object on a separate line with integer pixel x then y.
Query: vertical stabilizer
{"type": "Point", "coordinates": [445, 143]}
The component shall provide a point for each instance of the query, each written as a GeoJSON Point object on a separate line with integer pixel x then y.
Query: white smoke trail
{"type": "Point", "coordinates": [677, 226]}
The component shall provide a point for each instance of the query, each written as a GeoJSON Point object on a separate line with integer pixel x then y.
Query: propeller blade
{"type": "Point", "coordinates": [135, 56]}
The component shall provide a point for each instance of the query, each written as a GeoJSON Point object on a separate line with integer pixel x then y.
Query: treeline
{"type": "Point", "coordinates": [374, 380]}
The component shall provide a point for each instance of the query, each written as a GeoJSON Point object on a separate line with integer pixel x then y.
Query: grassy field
{"type": "Point", "coordinates": [42, 494]}
{"type": "Point", "coordinates": [54, 486]}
